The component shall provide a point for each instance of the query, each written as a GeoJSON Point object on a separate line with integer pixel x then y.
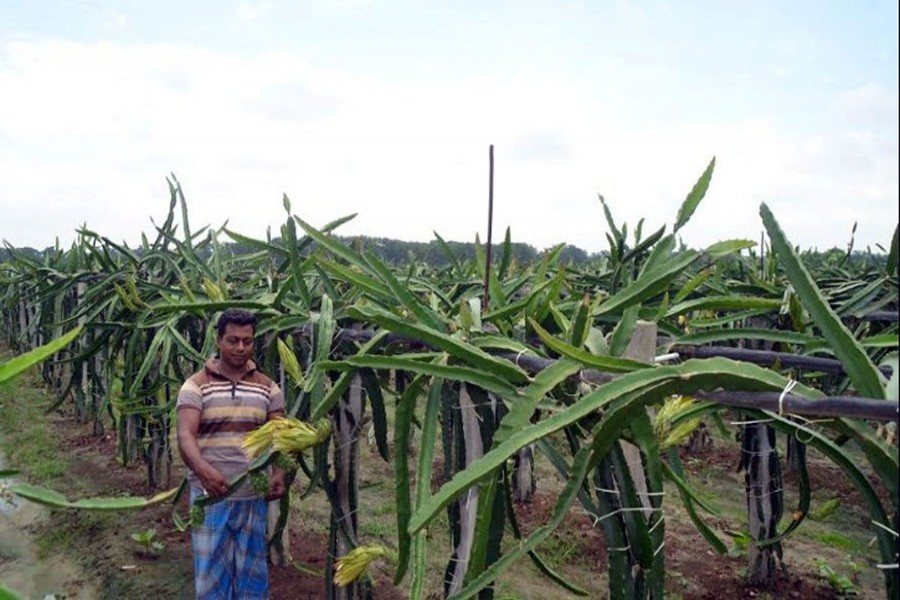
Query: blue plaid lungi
{"type": "Point", "coordinates": [230, 551]}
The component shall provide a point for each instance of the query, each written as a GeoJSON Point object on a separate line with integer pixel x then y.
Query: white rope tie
{"type": "Point", "coordinates": [886, 528]}
{"type": "Point", "coordinates": [623, 510]}
{"type": "Point", "coordinates": [758, 453]}
{"type": "Point", "coordinates": [765, 494]}
{"type": "Point", "coordinates": [666, 357]}
{"type": "Point", "coordinates": [657, 524]}
{"type": "Point", "coordinates": [636, 493]}
{"type": "Point", "coordinates": [756, 422]}
{"type": "Point", "coordinates": [787, 390]}
{"type": "Point", "coordinates": [519, 355]}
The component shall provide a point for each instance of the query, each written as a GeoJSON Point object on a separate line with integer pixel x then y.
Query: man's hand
{"type": "Point", "coordinates": [213, 482]}
{"type": "Point", "coordinates": [276, 484]}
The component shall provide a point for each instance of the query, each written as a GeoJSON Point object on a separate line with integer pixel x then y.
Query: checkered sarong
{"type": "Point", "coordinates": [230, 552]}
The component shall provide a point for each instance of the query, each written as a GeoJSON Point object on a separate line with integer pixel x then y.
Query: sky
{"type": "Point", "coordinates": [387, 109]}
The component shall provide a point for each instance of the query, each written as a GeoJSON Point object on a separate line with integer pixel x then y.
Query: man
{"type": "Point", "coordinates": [216, 408]}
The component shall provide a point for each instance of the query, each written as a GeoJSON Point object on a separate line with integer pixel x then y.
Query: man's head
{"type": "Point", "coordinates": [236, 328]}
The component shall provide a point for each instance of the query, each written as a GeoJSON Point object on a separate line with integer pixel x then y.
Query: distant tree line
{"type": "Point", "coordinates": [432, 253]}
{"type": "Point", "coordinates": [395, 252]}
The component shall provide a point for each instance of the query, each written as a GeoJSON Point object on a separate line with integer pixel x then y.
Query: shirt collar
{"type": "Point", "coordinates": [213, 366]}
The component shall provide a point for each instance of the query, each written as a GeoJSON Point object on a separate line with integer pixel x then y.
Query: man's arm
{"type": "Point", "coordinates": [189, 448]}
{"type": "Point", "coordinates": [276, 478]}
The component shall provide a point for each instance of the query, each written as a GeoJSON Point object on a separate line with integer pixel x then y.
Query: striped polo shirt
{"type": "Point", "coordinates": [228, 411]}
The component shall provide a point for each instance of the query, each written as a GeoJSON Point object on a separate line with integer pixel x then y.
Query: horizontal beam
{"type": "Point", "coordinates": [768, 358]}
{"type": "Point", "coordinates": [835, 406]}
{"type": "Point", "coordinates": [884, 316]}
{"type": "Point", "coordinates": [832, 406]}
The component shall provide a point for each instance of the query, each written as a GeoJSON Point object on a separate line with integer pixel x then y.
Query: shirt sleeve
{"type": "Point", "coordinates": [189, 396]}
{"type": "Point", "coordinates": [276, 399]}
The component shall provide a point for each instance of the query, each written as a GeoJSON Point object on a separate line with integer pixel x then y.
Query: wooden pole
{"type": "Point", "coordinates": [485, 301]}
{"type": "Point", "coordinates": [642, 347]}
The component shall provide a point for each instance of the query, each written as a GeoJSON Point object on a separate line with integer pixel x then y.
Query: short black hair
{"type": "Point", "coordinates": [238, 316]}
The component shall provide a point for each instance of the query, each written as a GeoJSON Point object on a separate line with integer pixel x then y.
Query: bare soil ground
{"type": "Point", "coordinates": [115, 563]}
{"type": "Point", "coordinates": [111, 566]}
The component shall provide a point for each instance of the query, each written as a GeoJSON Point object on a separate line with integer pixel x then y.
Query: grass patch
{"type": "Point", "coordinates": [7, 553]}
{"type": "Point", "coordinates": [54, 537]}
{"type": "Point", "coordinates": [25, 430]}
{"type": "Point", "coordinates": [839, 541]}
{"type": "Point", "coordinates": [561, 550]}
{"type": "Point", "coordinates": [68, 530]}
{"type": "Point", "coordinates": [33, 443]}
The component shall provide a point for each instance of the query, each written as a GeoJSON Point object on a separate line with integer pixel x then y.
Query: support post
{"type": "Point", "coordinates": [642, 347]}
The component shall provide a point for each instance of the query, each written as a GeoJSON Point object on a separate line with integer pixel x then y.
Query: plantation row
{"type": "Point", "coordinates": [348, 334]}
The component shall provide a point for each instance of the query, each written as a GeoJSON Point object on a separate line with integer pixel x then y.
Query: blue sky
{"type": "Point", "coordinates": [386, 109]}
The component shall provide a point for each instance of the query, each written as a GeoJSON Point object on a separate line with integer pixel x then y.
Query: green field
{"type": "Point", "coordinates": [452, 372]}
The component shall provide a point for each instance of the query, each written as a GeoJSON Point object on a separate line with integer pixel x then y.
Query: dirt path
{"type": "Point", "coordinates": [92, 555]}
{"type": "Point", "coordinates": [21, 566]}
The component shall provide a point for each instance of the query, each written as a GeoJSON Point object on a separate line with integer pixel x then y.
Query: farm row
{"type": "Point", "coordinates": [588, 365]}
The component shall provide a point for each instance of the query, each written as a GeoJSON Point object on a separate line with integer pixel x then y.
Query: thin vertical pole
{"type": "Point", "coordinates": [762, 255]}
{"type": "Point", "coordinates": [485, 302]}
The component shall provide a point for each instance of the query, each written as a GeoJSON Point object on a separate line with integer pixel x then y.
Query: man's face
{"type": "Point", "coordinates": [236, 345]}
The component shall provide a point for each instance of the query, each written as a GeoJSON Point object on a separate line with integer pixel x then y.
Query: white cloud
{"type": "Point", "coordinates": [870, 106]}
{"type": "Point", "coordinates": [251, 11]}
{"type": "Point", "coordinates": [89, 131]}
